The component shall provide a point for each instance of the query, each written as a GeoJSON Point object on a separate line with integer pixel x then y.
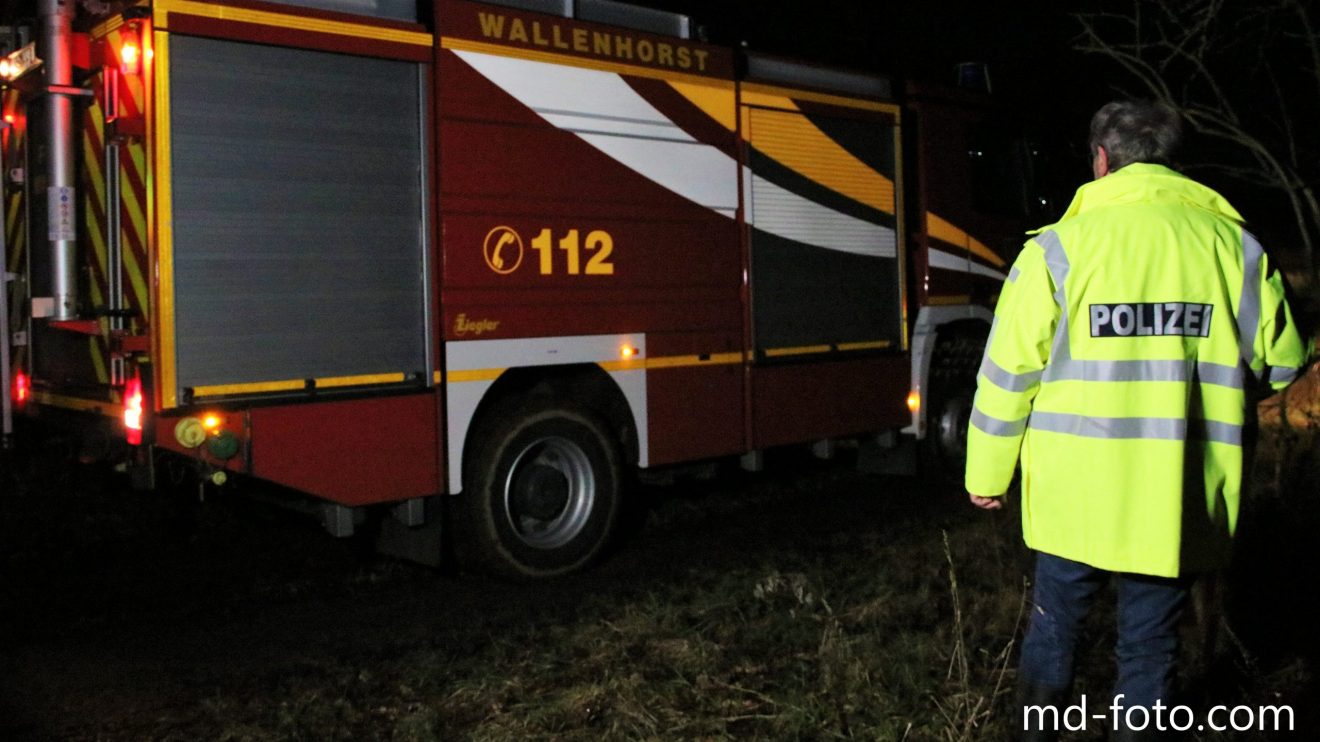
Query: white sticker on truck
{"type": "Point", "coordinates": [63, 217]}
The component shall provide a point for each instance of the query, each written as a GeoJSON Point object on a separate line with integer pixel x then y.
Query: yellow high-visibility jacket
{"type": "Point", "coordinates": [1123, 341]}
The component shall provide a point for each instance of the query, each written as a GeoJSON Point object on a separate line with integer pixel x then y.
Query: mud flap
{"type": "Point", "coordinates": [423, 543]}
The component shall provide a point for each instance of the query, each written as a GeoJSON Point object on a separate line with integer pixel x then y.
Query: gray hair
{"type": "Point", "coordinates": [1136, 131]}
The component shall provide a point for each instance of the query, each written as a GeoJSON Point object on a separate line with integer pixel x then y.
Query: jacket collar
{"type": "Point", "coordinates": [1142, 182]}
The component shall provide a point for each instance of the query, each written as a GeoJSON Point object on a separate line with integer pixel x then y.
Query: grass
{"type": "Point", "coordinates": [849, 641]}
{"type": "Point", "coordinates": [902, 634]}
{"type": "Point", "coordinates": [901, 622]}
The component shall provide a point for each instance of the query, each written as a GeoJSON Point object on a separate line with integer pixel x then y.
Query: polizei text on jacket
{"type": "Point", "coordinates": [1150, 318]}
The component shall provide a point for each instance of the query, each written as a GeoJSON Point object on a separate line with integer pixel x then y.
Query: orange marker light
{"type": "Point", "coordinates": [130, 58]}
{"type": "Point", "coordinates": [628, 351]}
{"type": "Point", "coordinates": [133, 407]}
{"type": "Point", "coordinates": [10, 118]}
{"type": "Point", "coordinates": [914, 401]}
{"type": "Point", "coordinates": [211, 423]}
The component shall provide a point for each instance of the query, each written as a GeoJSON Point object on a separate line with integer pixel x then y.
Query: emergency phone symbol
{"type": "Point", "coordinates": [504, 250]}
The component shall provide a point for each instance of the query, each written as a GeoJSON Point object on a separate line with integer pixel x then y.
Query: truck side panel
{"type": "Point", "coordinates": [354, 452]}
{"type": "Point", "coordinates": [586, 197]}
{"type": "Point", "coordinates": [826, 274]}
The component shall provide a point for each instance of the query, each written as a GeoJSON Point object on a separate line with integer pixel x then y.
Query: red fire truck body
{"type": "Point", "coordinates": [503, 253]}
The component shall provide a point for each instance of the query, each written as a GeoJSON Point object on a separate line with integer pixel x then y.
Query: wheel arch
{"type": "Point", "coordinates": [934, 323]}
{"type": "Point", "coordinates": [584, 385]}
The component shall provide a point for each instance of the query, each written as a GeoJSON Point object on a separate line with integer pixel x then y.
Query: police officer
{"type": "Point", "coordinates": [1124, 341]}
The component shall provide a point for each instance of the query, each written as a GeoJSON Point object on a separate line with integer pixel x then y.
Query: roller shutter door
{"type": "Point", "coordinates": [298, 214]}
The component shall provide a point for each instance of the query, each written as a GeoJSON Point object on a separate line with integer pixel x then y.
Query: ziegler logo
{"type": "Point", "coordinates": [463, 325]}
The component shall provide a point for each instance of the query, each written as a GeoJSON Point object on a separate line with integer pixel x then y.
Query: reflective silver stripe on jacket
{"type": "Point", "coordinates": [1056, 260]}
{"type": "Point", "coordinates": [1149, 370]}
{"type": "Point", "coordinates": [1248, 313]}
{"type": "Point", "coordinates": [1161, 428]}
{"type": "Point", "coordinates": [1013, 274]}
{"type": "Point", "coordinates": [1280, 374]}
{"type": "Point", "coordinates": [1007, 380]}
{"type": "Point", "coordinates": [995, 426]}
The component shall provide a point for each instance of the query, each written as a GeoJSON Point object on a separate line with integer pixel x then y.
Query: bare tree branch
{"type": "Point", "coordinates": [1230, 69]}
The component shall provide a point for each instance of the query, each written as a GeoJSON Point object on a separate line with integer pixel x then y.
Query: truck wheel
{"type": "Point", "coordinates": [954, 365]}
{"type": "Point", "coordinates": [542, 492]}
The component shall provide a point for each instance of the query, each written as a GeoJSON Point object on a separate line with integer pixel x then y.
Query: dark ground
{"type": "Point", "coordinates": [134, 616]}
{"type": "Point", "coordinates": [121, 607]}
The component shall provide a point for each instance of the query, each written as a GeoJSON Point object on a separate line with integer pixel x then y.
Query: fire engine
{"type": "Point", "coordinates": [384, 253]}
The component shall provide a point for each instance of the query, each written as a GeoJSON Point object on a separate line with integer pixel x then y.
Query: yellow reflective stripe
{"type": "Point", "coordinates": [287, 20]}
{"type": "Point", "coordinates": [482, 374]}
{"type": "Point", "coordinates": [464, 45]}
{"type": "Point", "coordinates": [797, 351]}
{"type": "Point", "coordinates": [99, 252]}
{"type": "Point", "coordinates": [131, 200]}
{"type": "Point", "coordinates": [900, 228]}
{"type": "Point", "coordinates": [109, 409]}
{"type": "Point", "coordinates": [98, 360]}
{"type": "Point", "coordinates": [221, 390]}
{"type": "Point", "coordinates": [941, 229]}
{"type": "Point", "coordinates": [361, 380]}
{"type": "Point", "coordinates": [714, 359]}
{"type": "Point", "coordinates": [135, 278]}
{"type": "Point", "coordinates": [108, 27]}
{"type": "Point", "coordinates": [92, 158]}
{"type": "Point", "coordinates": [291, 385]}
{"type": "Point", "coordinates": [18, 247]}
{"type": "Point", "coordinates": [160, 182]}
{"type": "Point", "coordinates": [760, 89]}
{"type": "Point", "coordinates": [97, 239]}
{"type": "Point", "coordinates": [870, 345]}
{"type": "Point", "coordinates": [808, 349]}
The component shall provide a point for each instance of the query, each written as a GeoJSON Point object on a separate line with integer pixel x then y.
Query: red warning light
{"type": "Point", "coordinates": [133, 406]}
{"type": "Point", "coordinates": [22, 390]}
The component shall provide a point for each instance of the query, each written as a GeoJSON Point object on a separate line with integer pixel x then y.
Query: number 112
{"type": "Point", "coordinates": [599, 243]}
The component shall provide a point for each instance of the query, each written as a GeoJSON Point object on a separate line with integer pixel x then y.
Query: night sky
{"type": "Point", "coordinates": [1026, 44]}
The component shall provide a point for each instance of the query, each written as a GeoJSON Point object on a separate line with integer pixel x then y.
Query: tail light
{"type": "Point", "coordinates": [133, 409]}
{"type": "Point", "coordinates": [130, 49]}
{"type": "Point", "coordinates": [130, 58]}
{"type": "Point", "coordinates": [22, 389]}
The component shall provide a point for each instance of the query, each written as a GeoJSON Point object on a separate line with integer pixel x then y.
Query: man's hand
{"type": "Point", "coordinates": [987, 503]}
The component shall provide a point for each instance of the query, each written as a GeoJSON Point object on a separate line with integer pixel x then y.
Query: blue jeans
{"type": "Point", "coordinates": [1149, 609]}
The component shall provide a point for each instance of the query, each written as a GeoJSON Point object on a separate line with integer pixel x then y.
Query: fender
{"type": "Point", "coordinates": [924, 334]}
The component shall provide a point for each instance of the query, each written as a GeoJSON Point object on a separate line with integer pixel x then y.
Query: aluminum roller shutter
{"type": "Point", "coordinates": [825, 271]}
{"type": "Point", "coordinates": [298, 219]}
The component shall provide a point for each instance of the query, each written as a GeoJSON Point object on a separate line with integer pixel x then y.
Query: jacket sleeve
{"type": "Point", "coordinates": [1015, 358]}
{"type": "Point", "coordinates": [1279, 352]}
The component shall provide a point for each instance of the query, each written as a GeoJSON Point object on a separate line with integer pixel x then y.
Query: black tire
{"type": "Point", "coordinates": [542, 491]}
{"type": "Point", "coordinates": [953, 368]}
